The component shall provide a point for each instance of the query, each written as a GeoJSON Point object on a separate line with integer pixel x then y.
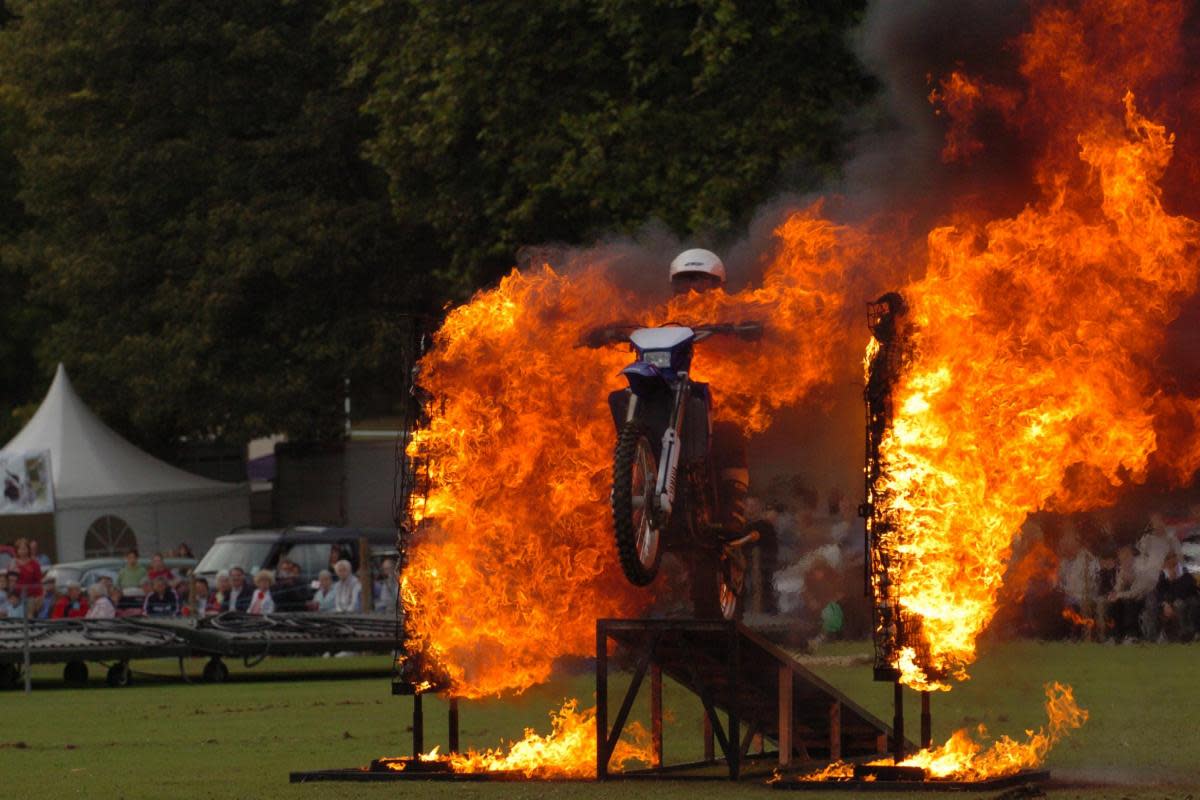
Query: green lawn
{"type": "Point", "coordinates": [164, 738]}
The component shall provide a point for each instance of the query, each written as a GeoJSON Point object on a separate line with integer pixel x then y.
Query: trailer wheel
{"type": "Point", "coordinates": [215, 671]}
{"type": "Point", "coordinates": [119, 675]}
{"type": "Point", "coordinates": [10, 676]}
{"type": "Point", "coordinates": [75, 673]}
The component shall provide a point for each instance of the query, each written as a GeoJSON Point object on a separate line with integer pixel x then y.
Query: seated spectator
{"type": "Point", "coordinates": [386, 587]}
{"type": "Point", "coordinates": [183, 588]}
{"type": "Point", "coordinates": [16, 610]}
{"type": "Point", "coordinates": [130, 576]}
{"type": "Point", "coordinates": [159, 567]}
{"type": "Point", "coordinates": [200, 602]}
{"type": "Point", "coordinates": [41, 607]}
{"type": "Point", "coordinates": [347, 591]}
{"type": "Point", "coordinates": [99, 606]}
{"type": "Point", "coordinates": [183, 551]}
{"type": "Point", "coordinates": [125, 607]}
{"type": "Point", "coordinates": [70, 605]}
{"type": "Point", "coordinates": [261, 601]}
{"type": "Point", "coordinates": [289, 592]}
{"type": "Point", "coordinates": [221, 595]}
{"type": "Point", "coordinates": [238, 598]}
{"type": "Point", "coordinates": [6, 604]}
{"type": "Point", "coordinates": [324, 599]}
{"type": "Point", "coordinates": [161, 601]}
{"type": "Point", "coordinates": [1178, 601]}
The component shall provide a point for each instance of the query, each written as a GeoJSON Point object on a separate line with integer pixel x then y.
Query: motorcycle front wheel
{"type": "Point", "coordinates": [638, 533]}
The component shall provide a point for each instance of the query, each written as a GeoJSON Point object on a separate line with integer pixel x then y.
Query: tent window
{"type": "Point", "coordinates": [108, 536]}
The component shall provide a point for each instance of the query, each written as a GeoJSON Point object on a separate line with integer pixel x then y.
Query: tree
{"type": "Point", "coordinates": [504, 124]}
{"type": "Point", "coordinates": [217, 256]}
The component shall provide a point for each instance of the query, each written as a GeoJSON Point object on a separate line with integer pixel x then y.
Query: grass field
{"type": "Point", "coordinates": [164, 738]}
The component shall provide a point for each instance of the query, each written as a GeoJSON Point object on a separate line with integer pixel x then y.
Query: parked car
{"type": "Point", "coordinates": [91, 570]}
{"type": "Point", "coordinates": [309, 546]}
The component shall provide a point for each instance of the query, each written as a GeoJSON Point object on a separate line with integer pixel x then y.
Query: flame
{"type": "Point", "coordinates": [515, 560]}
{"type": "Point", "coordinates": [568, 751]}
{"type": "Point", "coordinates": [963, 758]}
{"type": "Point", "coordinates": [1077, 619]}
{"type": "Point", "coordinates": [1031, 385]}
{"type": "Point", "coordinates": [1031, 382]}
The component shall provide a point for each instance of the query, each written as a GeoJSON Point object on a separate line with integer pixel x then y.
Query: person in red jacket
{"type": "Point", "coordinates": [29, 571]}
{"type": "Point", "coordinates": [158, 568]}
{"type": "Point", "coordinates": [70, 605]}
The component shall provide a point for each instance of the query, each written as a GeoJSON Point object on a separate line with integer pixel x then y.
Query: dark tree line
{"type": "Point", "coordinates": [217, 212]}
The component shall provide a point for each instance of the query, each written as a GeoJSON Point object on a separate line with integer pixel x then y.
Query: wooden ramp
{"type": "Point", "coordinates": [761, 689]}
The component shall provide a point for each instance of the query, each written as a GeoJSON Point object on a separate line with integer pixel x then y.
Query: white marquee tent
{"type": "Point", "coordinates": [110, 495]}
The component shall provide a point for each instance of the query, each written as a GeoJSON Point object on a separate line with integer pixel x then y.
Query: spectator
{"type": "Point", "coordinates": [200, 602]}
{"type": "Point", "coordinates": [131, 575]}
{"type": "Point", "coordinates": [1178, 600]}
{"type": "Point", "coordinates": [6, 603]}
{"type": "Point", "coordinates": [15, 608]}
{"type": "Point", "coordinates": [324, 599]}
{"type": "Point", "coordinates": [161, 601]}
{"type": "Point", "coordinates": [159, 567]}
{"type": "Point", "coordinates": [238, 598]}
{"type": "Point", "coordinates": [221, 596]}
{"type": "Point", "coordinates": [99, 606]}
{"type": "Point", "coordinates": [261, 601]}
{"type": "Point", "coordinates": [42, 559]}
{"type": "Point", "coordinates": [1078, 576]}
{"type": "Point", "coordinates": [386, 587]}
{"type": "Point", "coordinates": [41, 607]}
{"type": "Point", "coordinates": [1153, 548]}
{"type": "Point", "coordinates": [289, 592]}
{"type": "Point", "coordinates": [29, 571]}
{"type": "Point", "coordinates": [70, 605]}
{"type": "Point", "coordinates": [183, 551]}
{"type": "Point", "coordinates": [116, 596]}
{"type": "Point", "coordinates": [1124, 602]}
{"type": "Point", "coordinates": [347, 591]}
{"type": "Point", "coordinates": [183, 590]}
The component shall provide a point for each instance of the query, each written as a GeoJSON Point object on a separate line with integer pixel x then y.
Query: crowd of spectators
{"type": "Point", "coordinates": [1111, 582]}
{"type": "Point", "coordinates": [155, 590]}
{"type": "Point", "coordinates": [1083, 576]}
{"type": "Point", "coordinates": [808, 562]}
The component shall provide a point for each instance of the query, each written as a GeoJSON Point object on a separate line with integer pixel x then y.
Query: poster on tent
{"type": "Point", "coordinates": [28, 486]}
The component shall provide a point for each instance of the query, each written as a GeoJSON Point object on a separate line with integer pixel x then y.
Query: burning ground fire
{"type": "Point", "coordinates": [568, 751]}
{"type": "Point", "coordinates": [962, 758]}
{"type": "Point", "coordinates": [1031, 382]}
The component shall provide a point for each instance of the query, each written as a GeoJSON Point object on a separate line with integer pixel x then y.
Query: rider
{"type": "Point", "coordinates": [699, 270]}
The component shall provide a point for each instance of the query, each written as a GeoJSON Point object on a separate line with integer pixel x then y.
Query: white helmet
{"type": "Point", "coordinates": [697, 260]}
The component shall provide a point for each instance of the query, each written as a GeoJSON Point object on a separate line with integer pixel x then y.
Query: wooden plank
{"type": "Point", "coordinates": [835, 731]}
{"type": "Point", "coordinates": [786, 716]}
{"type": "Point", "coordinates": [656, 723]}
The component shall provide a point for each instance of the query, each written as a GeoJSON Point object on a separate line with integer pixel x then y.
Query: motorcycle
{"type": "Point", "coordinates": [664, 486]}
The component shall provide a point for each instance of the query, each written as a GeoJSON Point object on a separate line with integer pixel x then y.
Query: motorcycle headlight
{"type": "Point", "coordinates": [658, 358]}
